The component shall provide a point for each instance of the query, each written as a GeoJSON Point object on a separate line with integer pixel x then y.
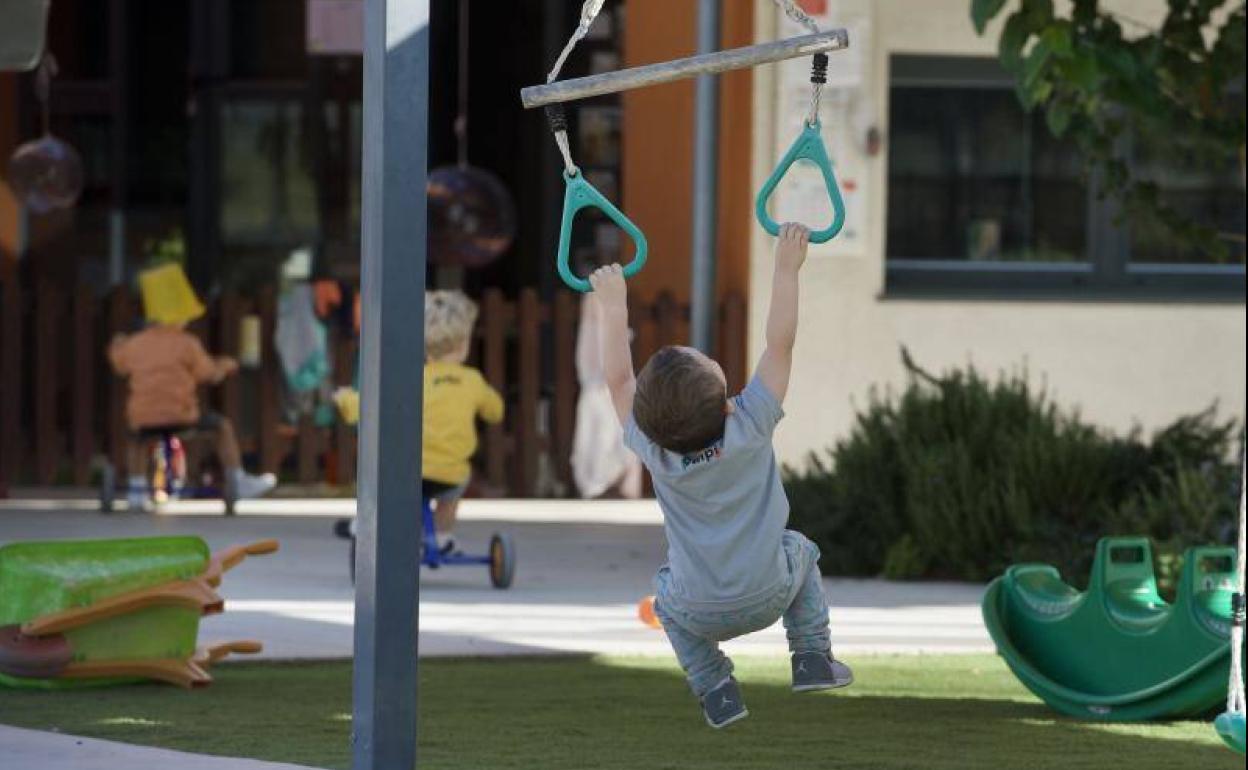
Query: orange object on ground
{"type": "Point", "coordinates": [645, 611]}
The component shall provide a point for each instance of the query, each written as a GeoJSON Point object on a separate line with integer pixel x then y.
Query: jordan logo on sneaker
{"type": "Point", "coordinates": [801, 667]}
{"type": "Point", "coordinates": [727, 701]}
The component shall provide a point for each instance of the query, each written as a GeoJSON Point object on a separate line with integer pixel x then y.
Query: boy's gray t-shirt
{"type": "Point", "coordinates": [724, 509]}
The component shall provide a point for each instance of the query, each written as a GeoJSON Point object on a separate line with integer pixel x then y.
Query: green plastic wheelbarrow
{"type": "Point", "coordinates": [100, 612]}
{"type": "Point", "coordinates": [1118, 651]}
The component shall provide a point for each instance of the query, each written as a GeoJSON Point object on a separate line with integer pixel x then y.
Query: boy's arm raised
{"type": "Point", "coordinates": [611, 297]}
{"type": "Point", "coordinates": [777, 359]}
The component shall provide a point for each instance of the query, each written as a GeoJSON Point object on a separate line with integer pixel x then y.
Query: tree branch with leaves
{"type": "Point", "coordinates": [1119, 88]}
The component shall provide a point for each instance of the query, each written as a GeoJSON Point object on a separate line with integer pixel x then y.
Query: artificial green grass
{"type": "Point", "coordinates": [951, 711]}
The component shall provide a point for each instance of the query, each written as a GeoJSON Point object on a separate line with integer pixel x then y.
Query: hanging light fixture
{"type": "Point", "coordinates": [472, 218]}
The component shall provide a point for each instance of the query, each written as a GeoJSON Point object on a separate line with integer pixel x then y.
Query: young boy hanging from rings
{"type": "Point", "coordinates": [733, 567]}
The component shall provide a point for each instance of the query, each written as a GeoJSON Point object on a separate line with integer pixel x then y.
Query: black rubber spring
{"type": "Point", "coordinates": [819, 69]}
{"type": "Point", "coordinates": [556, 118]}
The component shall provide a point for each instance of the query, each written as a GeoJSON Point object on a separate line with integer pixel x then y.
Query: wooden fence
{"type": "Point", "coordinates": [61, 407]}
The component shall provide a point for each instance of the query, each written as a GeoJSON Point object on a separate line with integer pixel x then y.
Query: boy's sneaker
{"type": "Point", "coordinates": [723, 705]}
{"type": "Point", "coordinates": [449, 548]}
{"type": "Point", "coordinates": [245, 486]}
{"type": "Point", "coordinates": [819, 671]}
{"type": "Point", "coordinates": [345, 528]}
{"type": "Point", "coordinates": [136, 493]}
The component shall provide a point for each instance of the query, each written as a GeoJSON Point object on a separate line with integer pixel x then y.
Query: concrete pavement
{"type": "Point", "coordinates": [38, 750]}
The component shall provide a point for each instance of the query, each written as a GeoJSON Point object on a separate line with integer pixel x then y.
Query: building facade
{"type": "Point", "coordinates": [973, 238]}
{"type": "Point", "coordinates": [229, 129]}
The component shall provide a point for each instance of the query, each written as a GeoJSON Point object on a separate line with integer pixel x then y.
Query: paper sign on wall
{"type": "Point", "coordinates": [335, 27]}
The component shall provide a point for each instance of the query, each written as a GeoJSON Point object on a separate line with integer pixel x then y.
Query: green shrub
{"type": "Point", "coordinates": [960, 476]}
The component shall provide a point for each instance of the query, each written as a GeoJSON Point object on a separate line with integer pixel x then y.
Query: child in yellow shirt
{"type": "Point", "coordinates": [455, 396]}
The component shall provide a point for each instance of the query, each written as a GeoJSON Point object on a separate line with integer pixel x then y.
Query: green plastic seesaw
{"type": "Point", "coordinates": [580, 194]}
{"type": "Point", "coordinates": [1118, 651]}
{"type": "Point", "coordinates": [808, 147]}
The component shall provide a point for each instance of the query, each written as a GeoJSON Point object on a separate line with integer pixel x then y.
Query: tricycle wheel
{"type": "Point", "coordinates": [108, 487]}
{"type": "Point", "coordinates": [502, 560]}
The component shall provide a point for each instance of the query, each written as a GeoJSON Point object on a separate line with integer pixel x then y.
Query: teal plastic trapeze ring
{"type": "Point", "coordinates": [579, 194]}
{"type": "Point", "coordinates": [809, 146]}
{"type": "Point", "coordinates": [1230, 728]}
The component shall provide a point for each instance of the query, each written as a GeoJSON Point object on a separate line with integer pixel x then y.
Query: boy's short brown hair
{"type": "Point", "coordinates": [680, 403]}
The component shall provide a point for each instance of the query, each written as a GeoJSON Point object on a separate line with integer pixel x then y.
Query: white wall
{"type": "Point", "coordinates": [1120, 363]}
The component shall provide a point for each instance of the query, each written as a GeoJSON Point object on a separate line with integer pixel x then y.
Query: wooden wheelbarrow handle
{"type": "Point", "coordinates": [191, 594]}
{"type": "Point", "coordinates": [183, 673]}
{"type": "Point", "coordinates": [206, 656]}
{"type": "Point", "coordinates": [226, 560]}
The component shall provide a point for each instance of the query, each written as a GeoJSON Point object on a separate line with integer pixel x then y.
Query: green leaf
{"type": "Point", "coordinates": [1015, 35]}
{"type": "Point", "coordinates": [1057, 38]}
{"type": "Point", "coordinates": [1038, 93]}
{"type": "Point", "coordinates": [1085, 11]}
{"type": "Point", "coordinates": [1034, 66]}
{"type": "Point", "coordinates": [1082, 73]}
{"type": "Point", "coordinates": [1169, 87]}
{"type": "Point", "coordinates": [1040, 11]}
{"type": "Point", "coordinates": [1058, 117]}
{"type": "Point", "coordinates": [984, 11]}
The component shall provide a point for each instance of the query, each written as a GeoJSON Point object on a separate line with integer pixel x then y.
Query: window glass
{"type": "Point", "coordinates": [268, 187]}
{"type": "Point", "coordinates": [973, 177]}
{"type": "Point", "coordinates": [1211, 198]}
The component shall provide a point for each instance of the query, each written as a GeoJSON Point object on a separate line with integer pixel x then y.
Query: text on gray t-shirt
{"type": "Point", "coordinates": [724, 508]}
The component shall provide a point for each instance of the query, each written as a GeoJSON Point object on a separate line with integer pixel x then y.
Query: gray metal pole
{"type": "Point", "coordinates": [396, 96]}
{"type": "Point", "coordinates": [705, 185]}
{"type": "Point", "coordinates": [680, 69]}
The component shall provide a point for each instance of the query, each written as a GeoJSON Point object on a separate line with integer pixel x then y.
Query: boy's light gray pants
{"type": "Point", "coordinates": [695, 635]}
